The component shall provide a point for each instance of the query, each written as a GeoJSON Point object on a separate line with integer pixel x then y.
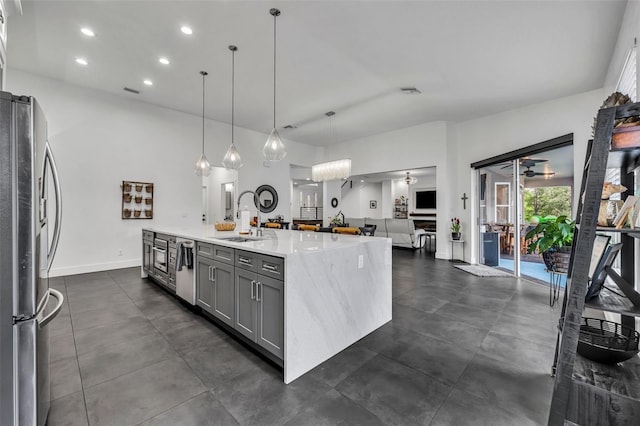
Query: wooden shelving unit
{"type": "Point", "coordinates": [586, 392]}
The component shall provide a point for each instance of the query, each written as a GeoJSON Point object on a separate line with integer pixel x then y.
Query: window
{"type": "Point", "coordinates": [628, 80]}
{"type": "Point", "coordinates": [503, 202]}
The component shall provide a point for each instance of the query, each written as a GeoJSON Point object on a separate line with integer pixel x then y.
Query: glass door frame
{"type": "Point", "coordinates": [515, 206]}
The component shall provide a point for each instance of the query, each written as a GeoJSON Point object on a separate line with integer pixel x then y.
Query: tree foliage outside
{"type": "Point", "coordinates": [550, 200]}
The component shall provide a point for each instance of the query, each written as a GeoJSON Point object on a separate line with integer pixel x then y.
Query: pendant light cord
{"type": "Point", "coordinates": [203, 75]}
{"type": "Point", "coordinates": [233, 89]}
{"type": "Point", "coordinates": [275, 15]}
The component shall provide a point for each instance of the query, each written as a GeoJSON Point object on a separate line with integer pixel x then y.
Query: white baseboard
{"type": "Point", "coordinates": [96, 267]}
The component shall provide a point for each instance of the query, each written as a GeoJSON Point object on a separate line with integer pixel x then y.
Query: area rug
{"type": "Point", "coordinates": [483, 271]}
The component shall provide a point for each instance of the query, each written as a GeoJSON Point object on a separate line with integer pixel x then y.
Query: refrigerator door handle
{"type": "Point", "coordinates": [56, 184]}
{"type": "Point", "coordinates": [60, 298]}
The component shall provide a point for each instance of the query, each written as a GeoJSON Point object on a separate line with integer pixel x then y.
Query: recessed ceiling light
{"type": "Point", "coordinates": [361, 180]}
{"type": "Point", "coordinates": [87, 32]}
{"type": "Point", "coordinates": [148, 82]}
{"type": "Point", "coordinates": [308, 179]}
{"type": "Point", "coordinates": [164, 61]}
{"type": "Point", "coordinates": [186, 30]}
{"type": "Point", "coordinates": [82, 61]}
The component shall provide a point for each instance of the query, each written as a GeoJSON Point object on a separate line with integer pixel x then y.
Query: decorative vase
{"type": "Point", "coordinates": [455, 235]}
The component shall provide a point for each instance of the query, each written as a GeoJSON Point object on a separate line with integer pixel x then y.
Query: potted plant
{"type": "Point", "coordinates": [553, 239]}
{"type": "Point", "coordinates": [337, 220]}
{"type": "Point", "coordinates": [455, 228]}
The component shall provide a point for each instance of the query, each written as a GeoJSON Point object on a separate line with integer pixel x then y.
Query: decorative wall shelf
{"type": "Point", "coordinates": [137, 200]}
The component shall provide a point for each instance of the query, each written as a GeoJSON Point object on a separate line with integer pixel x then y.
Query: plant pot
{"type": "Point", "coordinates": [126, 187]}
{"type": "Point", "coordinates": [126, 198]}
{"type": "Point", "coordinates": [148, 201]}
{"type": "Point", "coordinates": [138, 187]}
{"type": "Point", "coordinates": [136, 213]}
{"type": "Point", "coordinates": [557, 260]}
{"type": "Point", "coordinates": [126, 213]}
{"type": "Point", "coordinates": [138, 199]}
{"type": "Point", "coordinates": [149, 188]}
{"type": "Point", "coordinates": [456, 236]}
{"type": "Point", "coordinates": [148, 213]}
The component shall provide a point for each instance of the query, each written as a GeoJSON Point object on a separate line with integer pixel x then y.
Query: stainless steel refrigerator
{"type": "Point", "coordinates": [28, 176]}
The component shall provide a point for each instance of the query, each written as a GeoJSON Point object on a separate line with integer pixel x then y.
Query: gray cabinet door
{"type": "Point", "coordinates": [204, 283]}
{"type": "Point", "coordinates": [147, 263]}
{"type": "Point", "coordinates": [270, 303]}
{"type": "Point", "coordinates": [224, 292]}
{"type": "Point", "coordinates": [246, 310]}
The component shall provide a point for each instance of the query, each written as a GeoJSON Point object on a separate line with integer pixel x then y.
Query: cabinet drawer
{"type": "Point", "coordinates": [223, 254]}
{"type": "Point", "coordinates": [204, 249]}
{"type": "Point", "coordinates": [271, 266]}
{"type": "Point", "coordinates": [147, 235]}
{"type": "Point", "coordinates": [247, 260]}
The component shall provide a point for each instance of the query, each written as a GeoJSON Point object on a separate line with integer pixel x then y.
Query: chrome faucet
{"type": "Point", "coordinates": [256, 201]}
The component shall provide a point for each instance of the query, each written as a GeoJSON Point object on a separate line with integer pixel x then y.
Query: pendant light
{"type": "Point", "coordinates": [202, 167]}
{"type": "Point", "coordinates": [232, 160]}
{"type": "Point", "coordinates": [332, 170]}
{"type": "Point", "coordinates": [410, 180]}
{"type": "Point", "coordinates": [274, 149]}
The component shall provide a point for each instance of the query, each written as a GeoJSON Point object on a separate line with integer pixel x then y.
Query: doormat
{"type": "Point", "coordinates": [483, 271]}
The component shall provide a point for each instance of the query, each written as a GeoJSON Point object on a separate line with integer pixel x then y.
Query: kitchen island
{"type": "Point", "coordinates": [336, 289]}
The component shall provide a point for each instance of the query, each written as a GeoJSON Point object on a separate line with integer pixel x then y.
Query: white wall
{"type": "Point", "coordinates": [331, 189]}
{"type": "Point", "coordinates": [99, 140]}
{"type": "Point", "coordinates": [356, 203]}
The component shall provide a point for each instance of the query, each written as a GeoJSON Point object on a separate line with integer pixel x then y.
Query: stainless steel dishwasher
{"type": "Point", "coordinates": [185, 278]}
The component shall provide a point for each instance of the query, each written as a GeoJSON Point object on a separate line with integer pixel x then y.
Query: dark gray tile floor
{"type": "Point", "coordinates": [461, 350]}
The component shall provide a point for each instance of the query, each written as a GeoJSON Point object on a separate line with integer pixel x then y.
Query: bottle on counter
{"type": "Point", "coordinates": [245, 219]}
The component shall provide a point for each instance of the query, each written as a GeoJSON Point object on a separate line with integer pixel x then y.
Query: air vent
{"type": "Point", "coordinates": [410, 91]}
{"type": "Point", "coordinates": [129, 89]}
{"type": "Point", "coordinates": [290, 126]}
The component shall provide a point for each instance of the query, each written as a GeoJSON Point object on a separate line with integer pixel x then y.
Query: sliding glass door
{"type": "Point", "coordinates": [499, 215]}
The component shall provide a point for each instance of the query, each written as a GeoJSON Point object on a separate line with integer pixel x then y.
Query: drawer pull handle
{"type": "Point", "coordinates": [258, 287]}
{"type": "Point", "coordinates": [244, 260]}
{"type": "Point", "coordinates": [253, 294]}
{"type": "Point", "coordinates": [269, 267]}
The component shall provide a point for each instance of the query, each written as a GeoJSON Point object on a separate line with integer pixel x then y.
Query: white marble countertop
{"type": "Point", "coordinates": [274, 242]}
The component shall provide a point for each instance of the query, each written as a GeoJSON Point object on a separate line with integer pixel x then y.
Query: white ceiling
{"type": "Point", "coordinates": [469, 58]}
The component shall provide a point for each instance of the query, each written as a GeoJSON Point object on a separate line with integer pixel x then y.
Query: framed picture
{"type": "Point", "coordinates": [373, 204]}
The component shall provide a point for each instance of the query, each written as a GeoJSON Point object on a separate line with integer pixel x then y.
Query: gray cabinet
{"type": "Point", "coordinates": [246, 314]}
{"type": "Point", "coordinates": [259, 312]}
{"type": "Point", "coordinates": [204, 283]}
{"type": "Point", "coordinates": [270, 315]}
{"type": "Point", "coordinates": [147, 251]}
{"type": "Point", "coordinates": [223, 292]}
{"type": "Point", "coordinates": [215, 281]}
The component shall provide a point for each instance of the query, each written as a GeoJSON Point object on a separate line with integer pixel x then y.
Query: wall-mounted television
{"type": "Point", "coordinates": [426, 199]}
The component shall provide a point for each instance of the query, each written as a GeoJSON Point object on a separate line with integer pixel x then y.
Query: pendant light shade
{"type": "Point", "coordinates": [202, 167]}
{"type": "Point", "coordinates": [232, 160]}
{"type": "Point", "coordinates": [274, 149]}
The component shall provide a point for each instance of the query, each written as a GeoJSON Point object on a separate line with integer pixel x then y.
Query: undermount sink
{"type": "Point", "coordinates": [238, 239]}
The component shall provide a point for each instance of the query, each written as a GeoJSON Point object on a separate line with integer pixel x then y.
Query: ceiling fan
{"type": "Point", "coordinates": [526, 162]}
{"type": "Point", "coordinates": [530, 173]}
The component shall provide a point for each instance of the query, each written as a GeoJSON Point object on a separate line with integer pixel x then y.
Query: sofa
{"type": "Point", "coordinates": [402, 232]}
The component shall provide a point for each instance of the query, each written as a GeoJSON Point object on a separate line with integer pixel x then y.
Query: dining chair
{"type": "Point", "coordinates": [308, 228]}
{"type": "Point", "coordinates": [368, 230]}
{"type": "Point", "coordinates": [273, 225]}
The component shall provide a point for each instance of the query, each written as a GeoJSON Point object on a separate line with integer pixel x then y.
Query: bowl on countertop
{"type": "Point", "coordinates": [225, 226]}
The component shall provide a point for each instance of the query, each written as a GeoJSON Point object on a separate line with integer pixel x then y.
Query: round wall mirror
{"type": "Point", "coordinates": [334, 202]}
{"type": "Point", "coordinates": [268, 198]}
